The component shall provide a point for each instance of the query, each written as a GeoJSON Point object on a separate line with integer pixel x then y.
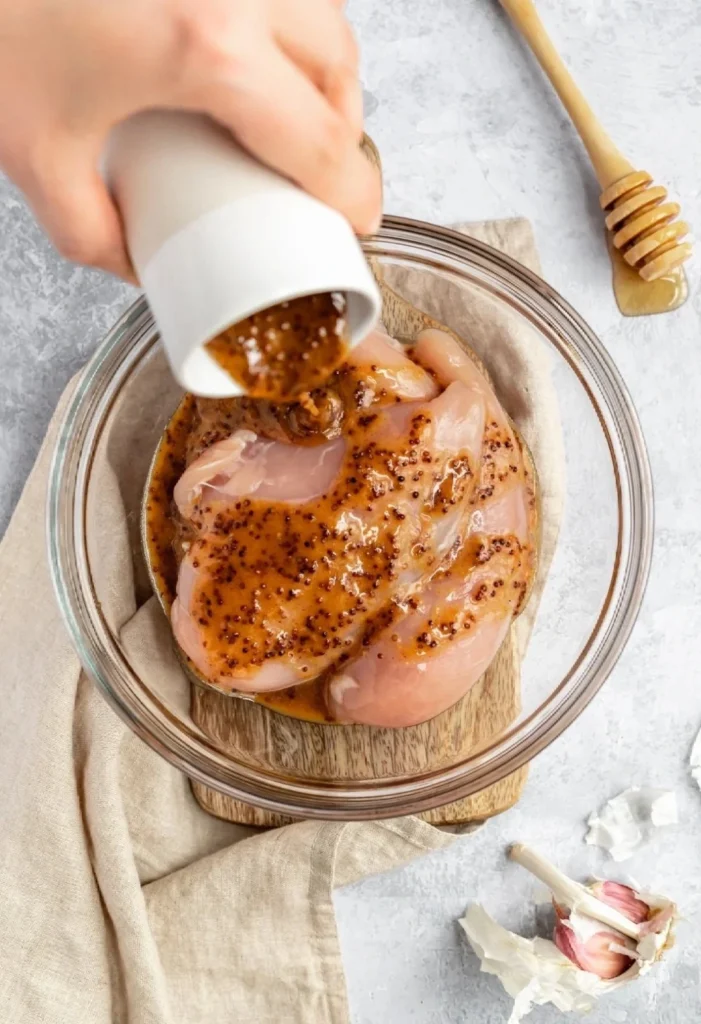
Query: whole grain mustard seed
{"type": "Point", "coordinates": [285, 351]}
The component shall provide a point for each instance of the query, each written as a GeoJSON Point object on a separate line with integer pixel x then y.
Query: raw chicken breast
{"type": "Point", "coordinates": [191, 638]}
{"type": "Point", "coordinates": [438, 646]}
{"type": "Point", "coordinates": [246, 465]}
{"type": "Point", "coordinates": [387, 563]}
{"type": "Point", "coordinates": [503, 474]}
{"type": "Point", "coordinates": [443, 355]}
{"type": "Point", "coordinates": [401, 691]}
{"type": "Point", "coordinates": [298, 547]}
{"type": "Point", "coordinates": [384, 365]}
{"type": "Point", "coordinates": [440, 641]}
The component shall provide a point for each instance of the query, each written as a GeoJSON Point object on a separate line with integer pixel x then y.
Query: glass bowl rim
{"type": "Point", "coordinates": [438, 249]}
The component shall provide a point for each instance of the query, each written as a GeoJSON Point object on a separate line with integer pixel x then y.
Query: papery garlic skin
{"type": "Point", "coordinates": [695, 760]}
{"type": "Point", "coordinates": [628, 820]}
{"type": "Point", "coordinates": [532, 971]}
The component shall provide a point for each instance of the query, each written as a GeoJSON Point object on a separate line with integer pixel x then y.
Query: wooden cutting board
{"type": "Point", "coordinates": [256, 735]}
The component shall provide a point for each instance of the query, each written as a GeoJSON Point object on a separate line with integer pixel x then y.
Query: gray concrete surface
{"type": "Point", "coordinates": [469, 130]}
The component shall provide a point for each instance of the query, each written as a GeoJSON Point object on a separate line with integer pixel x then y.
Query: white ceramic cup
{"type": "Point", "coordinates": [214, 237]}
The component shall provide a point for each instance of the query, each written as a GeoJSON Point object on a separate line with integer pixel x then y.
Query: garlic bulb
{"type": "Point", "coordinates": [606, 935]}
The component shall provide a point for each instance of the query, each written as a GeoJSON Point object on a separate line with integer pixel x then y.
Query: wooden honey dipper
{"type": "Point", "coordinates": [641, 222]}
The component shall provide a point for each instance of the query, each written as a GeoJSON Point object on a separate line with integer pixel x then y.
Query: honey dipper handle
{"type": "Point", "coordinates": [609, 164]}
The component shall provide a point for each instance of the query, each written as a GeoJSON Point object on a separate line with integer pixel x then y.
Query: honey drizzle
{"type": "Point", "coordinates": [636, 297]}
{"type": "Point", "coordinates": [643, 225]}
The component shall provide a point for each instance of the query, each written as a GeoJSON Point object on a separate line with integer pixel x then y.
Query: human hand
{"type": "Point", "coordinates": [280, 75]}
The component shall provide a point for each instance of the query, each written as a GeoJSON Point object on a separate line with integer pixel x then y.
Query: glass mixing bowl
{"type": "Point", "coordinates": [587, 611]}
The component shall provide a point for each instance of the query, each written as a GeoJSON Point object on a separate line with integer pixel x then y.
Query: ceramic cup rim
{"type": "Point", "coordinates": [433, 248]}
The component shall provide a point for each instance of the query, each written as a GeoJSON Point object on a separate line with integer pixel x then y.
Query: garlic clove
{"type": "Point", "coordinates": [598, 956]}
{"type": "Point", "coordinates": [590, 947]}
{"type": "Point", "coordinates": [623, 898]}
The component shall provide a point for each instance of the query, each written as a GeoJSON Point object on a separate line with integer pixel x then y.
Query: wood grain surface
{"type": "Point", "coordinates": [259, 737]}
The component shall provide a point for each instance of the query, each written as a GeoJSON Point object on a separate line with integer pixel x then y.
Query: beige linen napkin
{"type": "Point", "coordinates": [120, 899]}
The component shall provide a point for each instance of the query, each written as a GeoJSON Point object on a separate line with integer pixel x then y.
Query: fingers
{"type": "Point", "coordinates": [72, 203]}
{"type": "Point", "coordinates": [316, 36]}
{"type": "Point", "coordinates": [284, 120]}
